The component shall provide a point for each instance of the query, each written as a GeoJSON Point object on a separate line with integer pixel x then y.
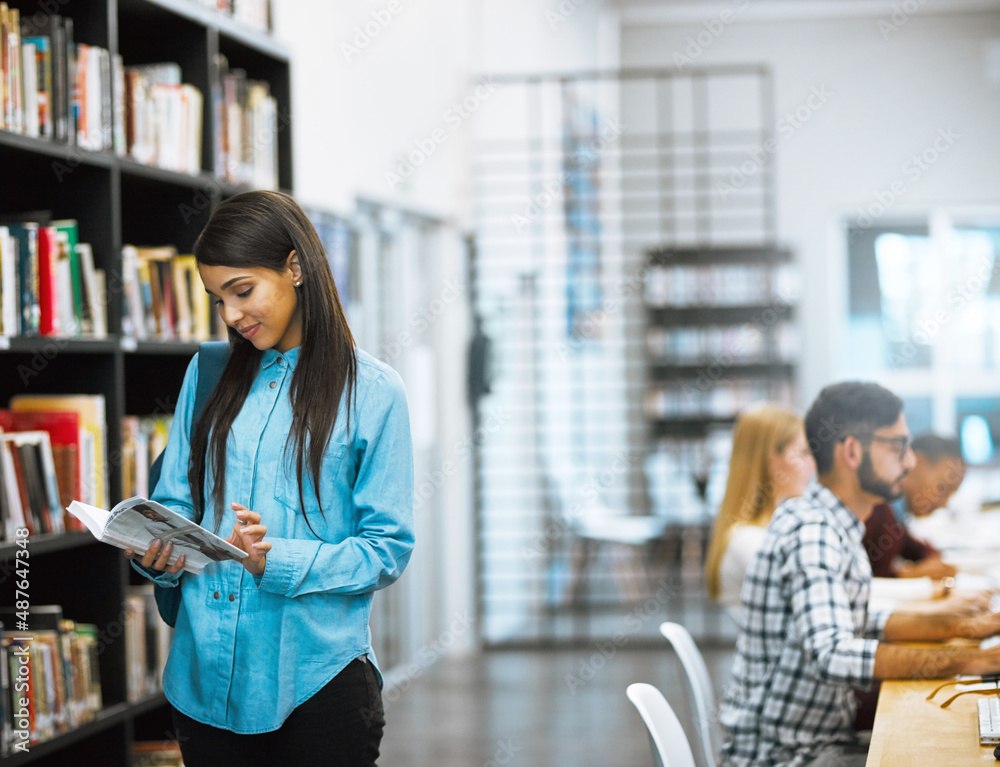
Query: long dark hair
{"type": "Point", "coordinates": [260, 229]}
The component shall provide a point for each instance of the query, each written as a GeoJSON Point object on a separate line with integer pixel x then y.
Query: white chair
{"type": "Point", "coordinates": [670, 744]}
{"type": "Point", "coordinates": [702, 694]}
{"type": "Point", "coordinates": [594, 524]}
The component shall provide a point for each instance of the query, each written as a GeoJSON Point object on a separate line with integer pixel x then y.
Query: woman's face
{"type": "Point", "coordinates": [260, 304]}
{"type": "Point", "coordinates": [792, 468]}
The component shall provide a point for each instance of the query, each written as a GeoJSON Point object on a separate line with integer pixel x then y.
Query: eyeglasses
{"type": "Point", "coordinates": [902, 444]}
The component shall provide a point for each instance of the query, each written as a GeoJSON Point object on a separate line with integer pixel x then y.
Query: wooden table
{"type": "Point", "coordinates": [911, 731]}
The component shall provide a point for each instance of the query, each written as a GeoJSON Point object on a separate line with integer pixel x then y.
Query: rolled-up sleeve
{"type": "Point", "coordinates": [377, 554]}
{"type": "Point", "coordinates": [821, 609]}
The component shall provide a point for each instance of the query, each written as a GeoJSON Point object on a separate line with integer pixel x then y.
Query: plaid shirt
{"type": "Point", "coordinates": [806, 637]}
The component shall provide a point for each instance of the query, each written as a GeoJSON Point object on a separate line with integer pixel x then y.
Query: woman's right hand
{"type": "Point", "coordinates": [157, 559]}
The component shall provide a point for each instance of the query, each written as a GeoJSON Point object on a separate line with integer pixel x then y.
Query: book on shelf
{"type": "Point", "coordinates": [49, 284]}
{"type": "Point", "coordinates": [51, 679]}
{"type": "Point", "coordinates": [136, 522]}
{"type": "Point", "coordinates": [246, 129]}
{"type": "Point", "coordinates": [29, 488]}
{"type": "Point", "coordinates": [143, 438]}
{"type": "Point", "coordinates": [255, 14]}
{"type": "Point", "coordinates": [147, 643]}
{"type": "Point", "coordinates": [162, 117]}
{"type": "Point", "coordinates": [63, 429]}
{"type": "Point", "coordinates": [164, 296]}
{"type": "Point", "coordinates": [92, 439]}
{"type": "Point", "coordinates": [54, 88]}
{"type": "Point", "coordinates": [35, 71]}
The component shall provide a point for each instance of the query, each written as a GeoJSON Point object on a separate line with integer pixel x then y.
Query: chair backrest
{"type": "Point", "coordinates": [702, 693]}
{"type": "Point", "coordinates": [670, 744]}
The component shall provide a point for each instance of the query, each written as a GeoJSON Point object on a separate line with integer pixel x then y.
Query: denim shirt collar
{"type": "Point", "coordinates": [271, 356]}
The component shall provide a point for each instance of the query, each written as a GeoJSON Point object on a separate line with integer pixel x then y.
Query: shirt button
{"type": "Point", "coordinates": [232, 597]}
{"type": "Point", "coordinates": [273, 384]}
{"type": "Point", "coordinates": [216, 595]}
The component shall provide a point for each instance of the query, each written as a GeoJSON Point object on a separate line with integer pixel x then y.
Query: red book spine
{"type": "Point", "coordinates": [48, 296]}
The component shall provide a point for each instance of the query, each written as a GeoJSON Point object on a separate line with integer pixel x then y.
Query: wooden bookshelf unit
{"type": "Point", "coordinates": [119, 201]}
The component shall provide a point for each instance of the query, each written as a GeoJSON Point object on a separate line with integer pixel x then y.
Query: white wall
{"type": "Point", "coordinates": [360, 99]}
{"type": "Point", "coordinates": [888, 93]}
{"type": "Point", "coordinates": [357, 111]}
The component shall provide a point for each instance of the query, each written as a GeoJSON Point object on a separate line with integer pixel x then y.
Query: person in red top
{"type": "Point", "coordinates": [892, 550]}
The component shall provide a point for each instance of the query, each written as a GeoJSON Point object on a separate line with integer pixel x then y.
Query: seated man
{"type": "Point", "coordinates": [937, 475]}
{"type": "Point", "coordinates": [807, 637]}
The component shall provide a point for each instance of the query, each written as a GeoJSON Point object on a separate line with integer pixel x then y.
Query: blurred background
{"type": "Point", "coordinates": [588, 233]}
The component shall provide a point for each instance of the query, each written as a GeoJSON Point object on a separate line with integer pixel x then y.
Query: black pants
{"type": "Point", "coordinates": [339, 726]}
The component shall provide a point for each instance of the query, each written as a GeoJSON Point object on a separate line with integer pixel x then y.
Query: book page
{"type": "Point", "coordinates": [134, 524]}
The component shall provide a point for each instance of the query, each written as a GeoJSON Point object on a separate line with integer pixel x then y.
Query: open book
{"type": "Point", "coordinates": [134, 523]}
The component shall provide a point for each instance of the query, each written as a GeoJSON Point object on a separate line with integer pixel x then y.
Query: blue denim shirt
{"type": "Point", "coordinates": [247, 650]}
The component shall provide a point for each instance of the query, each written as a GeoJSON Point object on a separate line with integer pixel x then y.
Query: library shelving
{"type": "Point", "coordinates": [118, 201]}
{"type": "Point", "coordinates": [720, 334]}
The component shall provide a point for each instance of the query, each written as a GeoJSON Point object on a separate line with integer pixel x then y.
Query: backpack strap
{"type": "Point", "coordinates": [212, 359]}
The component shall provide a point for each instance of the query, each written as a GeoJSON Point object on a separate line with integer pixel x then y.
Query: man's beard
{"type": "Point", "coordinates": [875, 485]}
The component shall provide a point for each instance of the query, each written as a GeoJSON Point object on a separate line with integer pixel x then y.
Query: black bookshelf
{"type": "Point", "coordinates": [689, 384]}
{"type": "Point", "coordinates": [118, 201]}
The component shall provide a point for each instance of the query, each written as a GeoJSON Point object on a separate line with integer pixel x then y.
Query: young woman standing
{"type": "Point", "coordinates": [303, 451]}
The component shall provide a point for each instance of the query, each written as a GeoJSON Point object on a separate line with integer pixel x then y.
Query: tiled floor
{"type": "Point", "coordinates": [534, 708]}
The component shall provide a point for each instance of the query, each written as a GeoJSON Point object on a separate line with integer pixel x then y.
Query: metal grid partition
{"type": "Point", "coordinates": [577, 179]}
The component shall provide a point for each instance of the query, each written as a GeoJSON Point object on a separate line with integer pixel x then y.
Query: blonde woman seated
{"type": "Point", "coordinates": [770, 462]}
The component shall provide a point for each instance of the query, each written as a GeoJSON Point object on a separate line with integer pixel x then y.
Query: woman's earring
{"type": "Point", "coordinates": [297, 284]}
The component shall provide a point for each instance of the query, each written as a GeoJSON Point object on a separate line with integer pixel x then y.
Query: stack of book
{"type": "Point", "coordinates": [720, 285]}
{"type": "Point", "coordinates": [55, 88]}
{"type": "Point", "coordinates": [30, 493]}
{"type": "Point", "coordinates": [745, 344]}
{"type": "Point", "coordinates": [164, 296]}
{"type": "Point", "coordinates": [246, 130]}
{"type": "Point", "coordinates": [162, 118]}
{"type": "Point", "coordinates": [48, 282]}
{"type": "Point", "coordinates": [53, 452]}
{"type": "Point", "coordinates": [52, 677]}
{"type": "Point", "coordinates": [712, 397]}
{"type": "Point", "coordinates": [143, 439]}
{"type": "Point", "coordinates": [147, 643]}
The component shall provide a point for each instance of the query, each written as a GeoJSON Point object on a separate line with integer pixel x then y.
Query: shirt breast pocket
{"type": "Point", "coordinates": [286, 489]}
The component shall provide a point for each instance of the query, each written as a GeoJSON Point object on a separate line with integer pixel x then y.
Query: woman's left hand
{"type": "Point", "coordinates": [249, 537]}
